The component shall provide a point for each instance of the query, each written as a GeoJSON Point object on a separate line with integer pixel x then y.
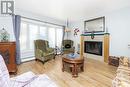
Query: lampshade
{"type": "Point", "coordinates": [67, 30]}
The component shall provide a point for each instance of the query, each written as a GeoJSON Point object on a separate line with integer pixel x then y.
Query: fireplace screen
{"type": "Point", "coordinates": [93, 47]}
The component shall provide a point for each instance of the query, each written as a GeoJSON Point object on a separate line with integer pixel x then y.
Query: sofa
{"type": "Point", "coordinates": [28, 79]}
{"type": "Point", "coordinates": [122, 78]}
{"type": "Point", "coordinates": [42, 50]}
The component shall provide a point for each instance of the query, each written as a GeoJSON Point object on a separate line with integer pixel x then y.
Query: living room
{"type": "Point", "coordinates": [63, 43]}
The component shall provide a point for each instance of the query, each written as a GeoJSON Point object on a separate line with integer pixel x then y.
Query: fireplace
{"type": "Point", "coordinates": [93, 47]}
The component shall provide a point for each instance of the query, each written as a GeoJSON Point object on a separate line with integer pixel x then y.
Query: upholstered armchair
{"type": "Point", "coordinates": [67, 46]}
{"type": "Point", "coordinates": [28, 79]}
{"type": "Point", "coordinates": [42, 50]}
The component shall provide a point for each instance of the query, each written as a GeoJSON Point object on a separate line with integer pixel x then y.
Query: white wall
{"type": "Point", "coordinates": [118, 25]}
{"type": "Point", "coordinates": [38, 17]}
{"type": "Point", "coordinates": [6, 22]}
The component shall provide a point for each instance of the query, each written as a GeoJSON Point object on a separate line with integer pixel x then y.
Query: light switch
{"type": "Point", "coordinates": [128, 45]}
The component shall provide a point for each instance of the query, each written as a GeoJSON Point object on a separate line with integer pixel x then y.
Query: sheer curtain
{"type": "Point", "coordinates": [59, 38]}
{"type": "Point", "coordinates": [55, 38]}
{"type": "Point", "coordinates": [52, 37]}
{"type": "Point", "coordinates": [43, 33]}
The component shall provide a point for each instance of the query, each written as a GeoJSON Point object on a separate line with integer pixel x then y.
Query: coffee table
{"type": "Point", "coordinates": [73, 63]}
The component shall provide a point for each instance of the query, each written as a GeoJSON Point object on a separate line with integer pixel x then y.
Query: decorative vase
{"type": "Point", "coordinates": [4, 35]}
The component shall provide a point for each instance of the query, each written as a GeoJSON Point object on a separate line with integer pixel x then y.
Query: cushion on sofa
{"type": "Point", "coordinates": [122, 78]}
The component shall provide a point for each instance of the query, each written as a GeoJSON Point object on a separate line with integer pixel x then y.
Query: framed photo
{"type": "Point", "coordinates": [94, 25]}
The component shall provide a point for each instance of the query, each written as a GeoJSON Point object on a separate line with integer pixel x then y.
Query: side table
{"type": "Point", "coordinates": [114, 61]}
{"type": "Point", "coordinates": [74, 63]}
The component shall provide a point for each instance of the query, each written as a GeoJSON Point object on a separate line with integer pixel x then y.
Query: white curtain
{"type": "Point", "coordinates": [55, 38]}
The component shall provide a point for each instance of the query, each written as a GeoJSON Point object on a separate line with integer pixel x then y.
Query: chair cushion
{"type": "Point", "coordinates": [124, 61]}
{"type": "Point", "coordinates": [47, 54]}
{"type": "Point", "coordinates": [119, 83]}
{"type": "Point", "coordinates": [122, 78]}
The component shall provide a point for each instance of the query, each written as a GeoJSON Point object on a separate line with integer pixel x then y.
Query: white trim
{"type": "Point", "coordinates": [27, 59]}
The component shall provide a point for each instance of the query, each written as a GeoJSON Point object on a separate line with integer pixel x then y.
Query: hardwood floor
{"type": "Point", "coordinates": [96, 73]}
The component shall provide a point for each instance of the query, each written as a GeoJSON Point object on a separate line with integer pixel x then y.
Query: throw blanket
{"type": "Point", "coordinates": [23, 80]}
{"type": "Point", "coordinates": [29, 79]}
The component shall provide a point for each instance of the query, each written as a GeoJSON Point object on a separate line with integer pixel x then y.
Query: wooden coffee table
{"type": "Point", "coordinates": [73, 63]}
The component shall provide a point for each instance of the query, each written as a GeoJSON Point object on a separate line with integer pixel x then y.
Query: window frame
{"type": "Point", "coordinates": [38, 24]}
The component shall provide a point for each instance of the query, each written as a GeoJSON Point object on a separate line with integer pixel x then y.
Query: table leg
{"type": "Point", "coordinates": [76, 70]}
{"type": "Point", "coordinates": [71, 69]}
{"type": "Point", "coordinates": [75, 73]}
{"type": "Point", "coordinates": [82, 67]}
{"type": "Point", "coordinates": [63, 66]}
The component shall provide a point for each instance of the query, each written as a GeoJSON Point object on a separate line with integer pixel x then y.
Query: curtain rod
{"type": "Point", "coordinates": [42, 21]}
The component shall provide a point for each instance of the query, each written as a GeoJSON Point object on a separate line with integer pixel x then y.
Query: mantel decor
{"type": "Point", "coordinates": [94, 25]}
{"type": "Point", "coordinates": [76, 30]}
{"type": "Point", "coordinates": [4, 35]}
{"type": "Point", "coordinates": [95, 34]}
{"type": "Point", "coordinates": [92, 35]}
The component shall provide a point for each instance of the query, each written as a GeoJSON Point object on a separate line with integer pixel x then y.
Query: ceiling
{"type": "Point", "coordinates": [71, 9]}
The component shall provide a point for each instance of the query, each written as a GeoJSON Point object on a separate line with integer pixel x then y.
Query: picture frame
{"type": "Point", "coordinates": [94, 25]}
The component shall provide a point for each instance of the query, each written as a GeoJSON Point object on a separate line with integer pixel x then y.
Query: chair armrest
{"type": "Point", "coordinates": [50, 50]}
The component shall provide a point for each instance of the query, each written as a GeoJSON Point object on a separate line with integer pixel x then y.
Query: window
{"type": "Point", "coordinates": [43, 33]}
{"type": "Point", "coordinates": [51, 35]}
{"type": "Point", "coordinates": [32, 30]}
{"type": "Point", "coordinates": [23, 36]}
{"type": "Point", "coordinates": [59, 36]}
{"type": "Point", "coordinates": [33, 34]}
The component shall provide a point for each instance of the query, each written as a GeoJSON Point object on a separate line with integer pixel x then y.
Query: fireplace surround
{"type": "Point", "coordinates": [97, 48]}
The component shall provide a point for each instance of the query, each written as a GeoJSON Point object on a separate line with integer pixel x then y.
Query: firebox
{"type": "Point", "coordinates": [93, 47]}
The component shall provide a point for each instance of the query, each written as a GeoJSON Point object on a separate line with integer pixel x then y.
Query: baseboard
{"type": "Point", "coordinates": [28, 59]}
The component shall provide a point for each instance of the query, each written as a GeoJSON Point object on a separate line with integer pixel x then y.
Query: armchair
{"type": "Point", "coordinates": [28, 79]}
{"type": "Point", "coordinates": [42, 50]}
{"type": "Point", "coordinates": [67, 46]}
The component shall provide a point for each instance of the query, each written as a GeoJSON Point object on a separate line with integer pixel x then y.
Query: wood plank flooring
{"type": "Point", "coordinates": [96, 73]}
